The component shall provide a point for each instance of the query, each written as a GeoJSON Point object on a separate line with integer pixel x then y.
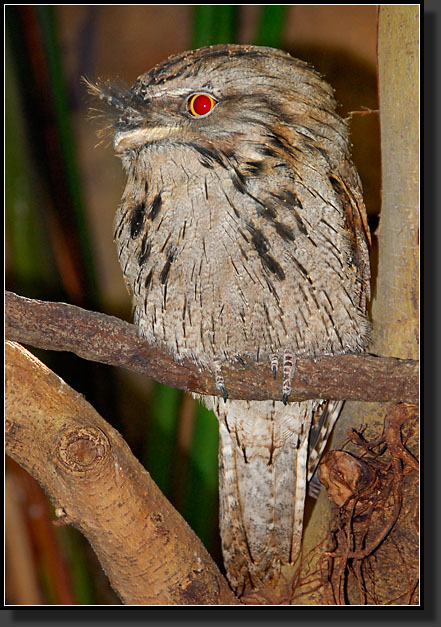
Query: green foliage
{"type": "Point", "coordinates": [62, 113]}
{"type": "Point", "coordinates": [160, 436]}
{"type": "Point", "coordinates": [28, 261]}
{"type": "Point", "coordinates": [270, 30]}
{"type": "Point", "coordinates": [200, 504]}
{"type": "Point", "coordinates": [214, 24]}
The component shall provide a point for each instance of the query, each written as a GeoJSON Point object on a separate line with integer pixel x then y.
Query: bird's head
{"type": "Point", "coordinates": [225, 100]}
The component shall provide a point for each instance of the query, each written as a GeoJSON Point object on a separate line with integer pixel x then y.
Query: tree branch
{"type": "Point", "coordinates": [98, 337]}
{"type": "Point", "coordinates": [149, 553]}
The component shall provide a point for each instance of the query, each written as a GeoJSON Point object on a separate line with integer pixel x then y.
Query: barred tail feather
{"type": "Point", "coordinates": [323, 422]}
{"type": "Point", "coordinates": [263, 468]}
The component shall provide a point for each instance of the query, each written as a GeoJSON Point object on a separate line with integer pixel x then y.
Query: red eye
{"type": "Point", "coordinates": [200, 104]}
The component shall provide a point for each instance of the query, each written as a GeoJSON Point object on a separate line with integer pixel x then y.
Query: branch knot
{"type": "Point", "coordinates": [83, 449]}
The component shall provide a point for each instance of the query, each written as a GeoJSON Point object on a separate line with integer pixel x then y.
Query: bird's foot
{"type": "Point", "coordinates": [274, 364]}
{"type": "Point", "coordinates": [289, 366]}
{"type": "Point", "coordinates": [219, 380]}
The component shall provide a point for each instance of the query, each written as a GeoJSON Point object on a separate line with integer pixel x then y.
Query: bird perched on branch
{"type": "Point", "coordinates": [242, 235]}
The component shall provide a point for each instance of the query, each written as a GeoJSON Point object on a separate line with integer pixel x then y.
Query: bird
{"type": "Point", "coordinates": [242, 236]}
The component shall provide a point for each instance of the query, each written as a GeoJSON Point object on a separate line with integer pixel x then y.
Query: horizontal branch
{"type": "Point", "coordinates": [102, 338]}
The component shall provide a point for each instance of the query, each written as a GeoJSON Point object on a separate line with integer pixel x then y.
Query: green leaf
{"type": "Point", "coordinates": [161, 436]}
{"type": "Point", "coordinates": [201, 498]}
{"type": "Point", "coordinates": [271, 23]}
{"type": "Point", "coordinates": [214, 24]}
{"type": "Point", "coordinates": [49, 33]}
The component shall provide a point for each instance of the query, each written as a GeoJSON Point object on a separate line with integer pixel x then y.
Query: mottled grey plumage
{"type": "Point", "coordinates": [242, 235]}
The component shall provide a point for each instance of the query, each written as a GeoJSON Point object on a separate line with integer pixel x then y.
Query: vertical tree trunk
{"type": "Point", "coordinates": [395, 311]}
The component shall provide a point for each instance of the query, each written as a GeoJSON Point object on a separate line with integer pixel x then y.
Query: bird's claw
{"type": "Point", "coordinates": [288, 373]}
{"type": "Point", "coordinates": [220, 382]}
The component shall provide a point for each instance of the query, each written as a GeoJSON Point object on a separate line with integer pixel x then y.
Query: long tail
{"type": "Point", "coordinates": [263, 473]}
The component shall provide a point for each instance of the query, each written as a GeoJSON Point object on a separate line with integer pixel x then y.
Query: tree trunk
{"type": "Point", "coordinates": [395, 313]}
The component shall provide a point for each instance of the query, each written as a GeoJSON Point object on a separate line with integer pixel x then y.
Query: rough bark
{"type": "Point", "coordinates": [149, 553]}
{"type": "Point", "coordinates": [395, 318]}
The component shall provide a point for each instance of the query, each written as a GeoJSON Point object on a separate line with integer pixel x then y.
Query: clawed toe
{"type": "Point", "coordinates": [288, 372]}
{"type": "Point", "coordinates": [220, 382]}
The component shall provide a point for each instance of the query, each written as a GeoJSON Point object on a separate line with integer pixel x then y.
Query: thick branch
{"type": "Point", "coordinates": [147, 550]}
{"type": "Point", "coordinates": [102, 338]}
